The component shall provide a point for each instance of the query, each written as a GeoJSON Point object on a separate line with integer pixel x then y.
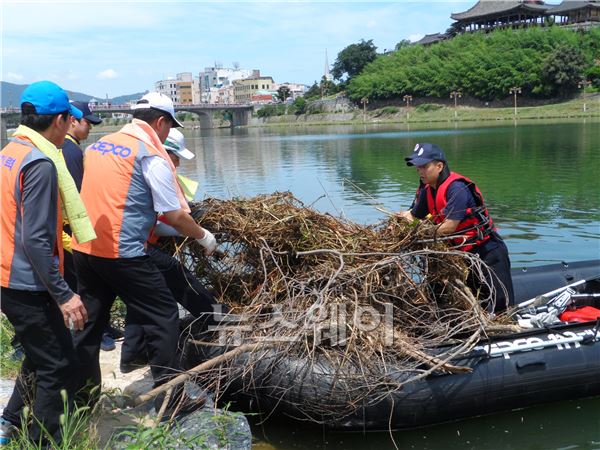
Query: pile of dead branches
{"type": "Point", "coordinates": [315, 288]}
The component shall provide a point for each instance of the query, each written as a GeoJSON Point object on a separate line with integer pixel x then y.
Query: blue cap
{"type": "Point", "coordinates": [424, 154]}
{"type": "Point", "coordinates": [87, 112]}
{"type": "Point", "coordinates": [49, 98]}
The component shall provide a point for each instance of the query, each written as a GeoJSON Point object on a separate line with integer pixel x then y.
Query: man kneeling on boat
{"type": "Point", "coordinates": [457, 205]}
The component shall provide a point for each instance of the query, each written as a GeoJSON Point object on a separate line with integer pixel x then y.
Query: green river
{"type": "Point", "coordinates": [542, 185]}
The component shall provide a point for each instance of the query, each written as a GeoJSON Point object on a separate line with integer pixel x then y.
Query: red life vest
{"type": "Point", "coordinates": [583, 314]}
{"type": "Point", "coordinates": [476, 227]}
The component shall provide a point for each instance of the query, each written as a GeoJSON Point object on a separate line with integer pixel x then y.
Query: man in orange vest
{"type": "Point", "coordinates": [79, 130]}
{"type": "Point", "coordinates": [457, 205]}
{"type": "Point", "coordinates": [128, 180]}
{"type": "Point", "coordinates": [187, 290]}
{"type": "Point", "coordinates": [35, 298]}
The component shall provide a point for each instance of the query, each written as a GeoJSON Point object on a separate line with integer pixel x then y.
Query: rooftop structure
{"type": "Point", "coordinates": [246, 88]}
{"type": "Point", "coordinates": [487, 15]}
{"type": "Point", "coordinates": [429, 39]}
{"type": "Point", "coordinates": [492, 14]}
{"type": "Point", "coordinates": [576, 13]}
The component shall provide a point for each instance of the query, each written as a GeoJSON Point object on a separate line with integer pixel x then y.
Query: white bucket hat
{"type": "Point", "coordinates": [176, 143]}
{"type": "Point", "coordinates": [156, 100]}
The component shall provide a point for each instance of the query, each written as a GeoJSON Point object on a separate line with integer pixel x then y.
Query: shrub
{"type": "Point", "coordinates": [389, 110]}
{"type": "Point", "coordinates": [426, 107]}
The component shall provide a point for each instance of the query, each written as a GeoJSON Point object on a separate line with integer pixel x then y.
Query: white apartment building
{"type": "Point", "coordinates": [215, 78]}
{"type": "Point", "coordinates": [168, 87]}
{"type": "Point", "coordinates": [184, 89]}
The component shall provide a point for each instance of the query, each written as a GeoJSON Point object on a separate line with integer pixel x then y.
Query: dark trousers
{"type": "Point", "coordinates": [187, 291]}
{"type": "Point", "coordinates": [495, 254]}
{"type": "Point", "coordinates": [69, 271]}
{"type": "Point", "coordinates": [50, 363]}
{"type": "Point", "coordinates": [143, 289]}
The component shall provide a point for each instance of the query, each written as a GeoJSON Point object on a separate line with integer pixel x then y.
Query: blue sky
{"type": "Point", "coordinates": [114, 48]}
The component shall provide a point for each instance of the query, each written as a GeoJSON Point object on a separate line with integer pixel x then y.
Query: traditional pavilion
{"type": "Point", "coordinates": [487, 15]}
{"type": "Point", "coordinates": [578, 14]}
{"type": "Point", "coordinates": [429, 39]}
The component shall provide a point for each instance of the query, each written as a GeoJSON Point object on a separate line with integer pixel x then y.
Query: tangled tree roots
{"type": "Point", "coordinates": [364, 300]}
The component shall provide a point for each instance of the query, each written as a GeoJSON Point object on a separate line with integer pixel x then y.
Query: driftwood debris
{"type": "Point", "coordinates": [315, 287]}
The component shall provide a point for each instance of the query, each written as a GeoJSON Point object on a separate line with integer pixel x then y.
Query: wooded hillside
{"type": "Point", "coordinates": [545, 63]}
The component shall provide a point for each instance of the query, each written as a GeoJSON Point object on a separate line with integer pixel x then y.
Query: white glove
{"type": "Point", "coordinates": [208, 242]}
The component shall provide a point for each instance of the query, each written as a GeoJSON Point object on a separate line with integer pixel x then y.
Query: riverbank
{"type": "Point", "coordinates": [438, 113]}
{"type": "Point", "coordinates": [423, 114]}
{"type": "Point", "coordinates": [114, 425]}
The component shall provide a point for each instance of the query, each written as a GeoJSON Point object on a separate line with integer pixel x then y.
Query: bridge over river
{"type": "Point", "coordinates": [238, 114]}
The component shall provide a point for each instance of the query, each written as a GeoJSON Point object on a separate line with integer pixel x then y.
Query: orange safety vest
{"type": "Point", "coordinates": [117, 197]}
{"type": "Point", "coordinates": [16, 270]}
{"type": "Point", "coordinates": [476, 227]}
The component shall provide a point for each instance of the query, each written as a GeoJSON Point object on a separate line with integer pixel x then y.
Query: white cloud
{"type": "Point", "coordinates": [11, 76]}
{"type": "Point", "coordinates": [107, 74]}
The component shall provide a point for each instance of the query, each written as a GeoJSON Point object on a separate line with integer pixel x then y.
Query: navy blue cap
{"type": "Point", "coordinates": [49, 98]}
{"type": "Point", "coordinates": [424, 154]}
{"type": "Point", "coordinates": [87, 112]}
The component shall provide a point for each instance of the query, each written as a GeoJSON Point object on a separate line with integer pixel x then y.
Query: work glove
{"type": "Point", "coordinates": [208, 242]}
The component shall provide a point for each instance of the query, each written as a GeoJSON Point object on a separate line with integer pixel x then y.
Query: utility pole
{"type": "Point", "coordinates": [364, 102]}
{"type": "Point", "coordinates": [515, 90]}
{"type": "Point", "coordinates": [583, 84]}
{"type": "Point", "coordinates": [455, 95]}
{"type": "Point", "coordinates": [407, 98]}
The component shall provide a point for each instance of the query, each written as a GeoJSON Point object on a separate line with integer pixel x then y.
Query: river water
{"type": "Point", "coordinates": [542, 185]}
{"type": "Point", "coordinates": [541, 181]}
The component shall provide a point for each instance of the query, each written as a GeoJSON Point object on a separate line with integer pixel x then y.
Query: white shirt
{"type": "Point", "coordinates": [159, 177]}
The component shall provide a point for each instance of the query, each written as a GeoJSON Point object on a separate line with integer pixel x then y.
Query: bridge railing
{"type": "Point", "coordinates": [178, 106]}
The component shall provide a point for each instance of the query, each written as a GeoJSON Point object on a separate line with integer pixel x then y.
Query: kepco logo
{"type": "Point", "coordinates": [108, 147]}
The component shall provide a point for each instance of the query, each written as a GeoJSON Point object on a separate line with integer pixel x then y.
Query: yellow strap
{"type": "Point", "coordinates": [73, 208]}
{"type": "Point", "coordinates": [66, 241]}
{"type": "Point", "coordinates": [188, 186]}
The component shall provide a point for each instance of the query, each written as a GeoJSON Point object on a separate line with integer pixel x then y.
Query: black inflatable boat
{"type": "Point", "coordinates": [512, 371]}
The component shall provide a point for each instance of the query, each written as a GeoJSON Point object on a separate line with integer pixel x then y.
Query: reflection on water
{"type": "Point", "coordinates": [541, 182]}
{"type": "Point", "coordinates": [566, 425]}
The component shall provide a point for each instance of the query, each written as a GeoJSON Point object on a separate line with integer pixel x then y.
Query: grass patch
{"type": "Point", "coordinates": [387, 110]}
{"type": "Point", "coordinates": [426, 107]}
{"type": "Point", "coordinates": [9, 367]}
{"type": "Point", "coordinates": [160, 437]}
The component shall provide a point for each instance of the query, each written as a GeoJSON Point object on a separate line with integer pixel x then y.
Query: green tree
{"type": "Point", "coordinates": [564, 68]}
{"type": "Point", "coordinates": [313, 92]}
{"type": "Point", "coordinates": [593, 74]}
{"type": "Point", "coordinates": [299, 105]}
{"type": "Point", "coordinates": [543, 62]}
{"type": "Point", "coordinates": [327, 87]}
{"type": "Point", "coordinates": [283, 93]}
{"type": "Point", "coordinates": [403, 43]}
{"type": "Point", "coordinates": [352, 59]}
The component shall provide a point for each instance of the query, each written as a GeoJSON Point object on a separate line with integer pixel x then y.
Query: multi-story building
{"type": "Point", "coordinates": [196, 97]}
{"type": "Point", "coordinates": [244, 90]}
{"type": "Point", "coordinates": [214, 78]}
{"type": "Point", "coordinates": [182, 90]}
{"type": "Point", "coordinates": [168, 87]}
{"type": "Point", "coordinates": [225, 95]}
{"type": "Point", "coordinates": [185, 82]}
